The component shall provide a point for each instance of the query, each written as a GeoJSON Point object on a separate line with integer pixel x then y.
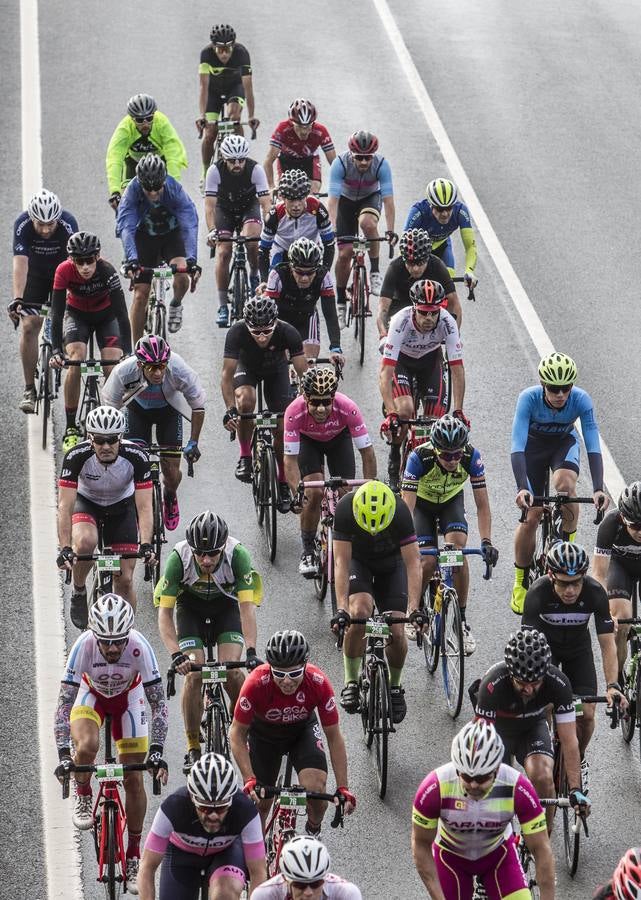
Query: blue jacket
{"type": "Point", "coordinates": [134, 207]}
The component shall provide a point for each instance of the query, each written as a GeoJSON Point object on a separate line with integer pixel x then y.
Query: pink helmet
{"type": "Point", "coordinates": [151, 348]}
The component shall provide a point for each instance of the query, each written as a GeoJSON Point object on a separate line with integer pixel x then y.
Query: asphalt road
{"type": "Point", "coordinates": [538, 103]}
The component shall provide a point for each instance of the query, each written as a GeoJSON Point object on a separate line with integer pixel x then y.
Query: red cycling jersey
{"type": "Point", "coordinates": [288, 143]}
{"type": "Point", "coordinates": [261, 698]}
{"type": "Point", "coordinates": [90, 295]}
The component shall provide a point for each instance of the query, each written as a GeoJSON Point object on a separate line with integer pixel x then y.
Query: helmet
{"type": "Point", "coordinates": [630, 502]}
{"type": "Point", "coordinates": [363, 143]}
{"type": "Point", "coordinates": [287, 648]}
{"type": "Point", "coordinates": [83, 243]}
{"type": "Point", "coordinates": [222, 34]}
{"type": "Point", "coordinates": [111, 617]}
{"type": "Point", "coordinates": [528, 654]}
{"type": "Point", "coordinates": [567, 558]}
{"type": "Point", "coordinates": [426, 294]}
{"type": "Point", "coordinates": [151, 171]}
{"type": "Point", "coordinates": [303, 112]}
{"type": "Point", "coordinates": [304, 859]}
{"type": "Point", "coordinates": [441, 193]}
{"type": "Point", "coordinates": [105, 420]}
{"type": "Point", "coordinates": [557, 369]}
{"type": "Point", "coordinates": [234, 146]}
{"type": "Point", "coordinates": [141, 106]}
{"type": "Point", "coordinates": [207, 532]}
{"type": "Point", "coordinates": [259, 311]}
{"type": "Point", "coordinates": [449, 433]}
{"type": "Point", "coordinates": [305, 253]}
{"type": "Point", "coordinates": [319, 382]}
{"type": "Point", "coordinates": [415, 245]}
{"type": "Point", "coordinates": [152, 348]}
{"type": "Point", "coordinates": [212, 780]}
{"type": "Point", "coordinates": [373, 506]}
{"type": "Point", "coordinates": [294, 184]}
{"type": "Point", "coordinates": [626, 880]}
{"type": "Point", "coordinates": [45, 207]}
{"type": "Point", "coordinates": [477, 749]}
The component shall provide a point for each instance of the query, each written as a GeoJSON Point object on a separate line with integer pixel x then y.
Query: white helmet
{"type": "Point", "coordinates": [477, 749]}
{"type": "Point", "coordinates": [304, 859]}
{"type": "Point", "coordinates": [111, 617]}
{"type": "Point", "coordinates": [45, 207]}
{"type": "Point", "coordinates": [234, 146]}
{"type": "Point", "coordinates": [105, 420]}
{"type": "Point", "coordinates": [212, 780]}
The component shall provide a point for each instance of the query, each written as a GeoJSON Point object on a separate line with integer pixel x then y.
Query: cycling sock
{"type": "Point", "coordinates": [462, 609]}
{"type": "Point", "coordinates": [79, 590]}
{"type": "Point", "coordinates": [133, 843]}
{"type": "Point", "coordinates": [222, 298]}
{"type": "Point", "coordinates": [351, 667]}
{"type": "Point", "coordinates": [70, 415]}
{"type": "Point", "coordinates": [341, 295]}
{"type": "Point", "coordinates": [175, 302]}
{"type": "Point", "coordinates": [30, 387]}
{"type": "Point", "coordinates": [83, 790]}
{"type": "Point", "coordinates": [309, 540]}
{"type": "Point", "coordinates": [193, 740]}
{"type": "Point", "coordinates": [373, 265]}
{"type": "Point", "coordinates": [521, 575]}
{"type": "Point", "coordinates": [395, 676]}
{"type": "Point", "coordinates": [245, 447]}
{"type": "Point", "coordinates": [569, 536]}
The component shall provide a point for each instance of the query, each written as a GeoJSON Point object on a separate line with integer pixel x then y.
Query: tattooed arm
{"type": "Point", "coordinates": [62, 728]}
{"type": "Point", "coordinates": [155, 694]}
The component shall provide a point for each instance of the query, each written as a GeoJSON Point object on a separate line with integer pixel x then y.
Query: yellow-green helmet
{"type": "Point", "coordinates": [557, 369]}
{"type": "Point", "coordinates": [374, 505]}
{"type": "Point", "coordinates": [441, 193]}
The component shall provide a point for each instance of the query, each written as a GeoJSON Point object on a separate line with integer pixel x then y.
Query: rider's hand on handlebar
{"type": "Point", "coordinates": [336, 357]}
{"type": "Point", "coordinates": [460, 415]}
{"type": "Point", "coordinates": [130, 268]}
{"type": "Point", "coordinates": [13, 309]}
{"type": "Point", "coordinates": [201, 124]}
{"type": "Point", "coordinates": [212, 237]}
{"type": "Point", "coordinates": [114, 200]}
{"type": "Point", "coordinates": [252, 660]}
{"type": "Point", "coordinates": [230, 419]}
{"type": "Point", "coordinates": [392, 237]}
{"type": "Point", "coordinates": [601, 500]}
{"type": "Point", "coordinates": [341, 621]}
{"type": "Point", "coordinates": [63, 770]}
{"type": "Point", "coordinates": [191, 451]}
{"type": "Point", "coordinates": [146, 553]}
{"type": "Point", "coordinates": [389, 427]}
{"type": "Point", "coordinates": [180, 662]}
{"type": "Point", "coordinates": [346, 797]}
{"type": "Point", "coordinates": [579, 802]}
{"type": "Point", "coordinates": [194, 271]}
{"type": "Point", "coordinates": [418, 619]}
{"type": "Point", "coordinates": [253, 123]}
{"type": "Point", "coordinates": [489, 553]}
{"type": "Point", "coordinates": [57, 360]}
{"type": "Point", "coordinates": [471, 280]}
{"type": "Point", "coordinates": [614, 695]}
{"type": "Point", "coordinates": [524, 499]}
{"type": "Point", "coordinates": [65, 558]}
{"type": "Point", "coordinates": [158, 768]}
{"type": "Point", "coordinates": [249, 788]}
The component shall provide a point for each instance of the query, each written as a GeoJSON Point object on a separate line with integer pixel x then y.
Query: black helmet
{"type": "Point", "coordinates": [207, 532]}
{"type": "Point", "coordinates": [305, 253]}
{"type": "Point", "coordinates": [528, 654]}
{"type": "Point", "coordinates": [630, 502]}
{"type": "Point", "coordinates": [567, 558]}
{"type": "Point", "coordinates": [260, 311]}
{"type": "Point", "coordinates": [222, 34]}
{"type": "Point", "coordinates": [151, 171]}
{"type": "Point", "coordinates": [449, 433]}
{"type": "Point", "coordinates": [294, 184]}
{"type": "Point", "coordinates": [141, 106]}
{"type": "Point", "coordinates": [287, 648]}
{"type": "Point", "coordinates": [415, 245]}
{"type": "Point", "coordinates": [83, 243]}
{"type": "Point", "coordinates": [319, 382]}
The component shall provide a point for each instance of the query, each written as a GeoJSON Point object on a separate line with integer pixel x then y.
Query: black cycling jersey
{"type": "Point", "coordinates": [225, 77]}
{"type": "Point", "coordinates": [236, 192]}
{"type": "Point", "coordinates": [378, 551]}
{"type": "Point", "coordinates": [499, 702]}
{"type": "Point", "coordinates": [397, 281]}
{"type": "Point", "coordinates": [285, 344]}
{"type": "Point", "coordinates": [296, 304]}
{"type": "Point", "coordinates": [613, 539]}
{"type": "Point", "coordinates": [565, 625]}
{"type": "Point", "coordinates": [45, 254]}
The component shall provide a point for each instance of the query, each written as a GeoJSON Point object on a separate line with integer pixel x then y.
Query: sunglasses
{"type": "Point", "coordinates": [293, 673]}
{"type": "Point", "coordinates": [84, 260]}
{"type": "Point", "coordinates": [301, 885]}
{"type": "Point", "coordinates": [362, 157]}
{"type": "Point", "coordinates": [152, 186]}
{"type": "Point", "coordinates": [573, 582]}
{"type": "Point", "coordinates": [558, 389]}
{"type": "Point", "coordinates": [454, 456]}
{"type": "Point", "coordinates": [118, 642]}
{"type": "Point", "coordinates": [210, 808]}
{"type": "Point", "coordinates": [214, 554]}
{"type": "Point", "coordinates": [319, 401]}
{"type": "Point", "coordinates": [479, 779]}
{"type": "Point", "coordinates": [426, 313]}
{"type": "Point", "coordinates": [306, 273]}
{"type": "Point", "coordinates": [140, 120]}
{"type": "Point", "coordinates": [109, 439]}
{"type": "Point", "coordinates": [157, 367]}
{"type": "Point", "coordinates": [259, 331]}
{"type": "Point", "coordinates": [635, 526]}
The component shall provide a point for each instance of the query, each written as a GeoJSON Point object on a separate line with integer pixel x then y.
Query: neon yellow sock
{"type": "Point", "coordinates": [395, 676]}
{"type": "Point", "coordinates": [352, 668]}
{"type": "Point", "coordinates": [520, 573]}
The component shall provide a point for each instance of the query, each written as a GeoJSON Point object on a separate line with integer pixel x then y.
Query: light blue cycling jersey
{"type": "Point", "coordinates": [346, 181]}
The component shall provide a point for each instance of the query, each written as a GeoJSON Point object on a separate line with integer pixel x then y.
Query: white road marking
{"type": "Point", "coordinates": [613, 478]}
{"type": "Point", "coordinates": [62, 855]}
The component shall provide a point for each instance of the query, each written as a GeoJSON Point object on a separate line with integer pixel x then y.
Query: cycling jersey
{"type": "Point", "coordinates": [344, 414]}
{"type": "Point", "coordinates": [181, 387]}
{"type": "Point", "coordinates": [334, 888]}
{"type": "Point", "coordinates": [287, 142]}
{"type": "Point", "coordinates": [261, 700]}
{"type": "Point", "coordinates": [234, 579]}
{"type": "Point", "coordinates": [297, 305]}
{"type": "Point", "coordinates": [424, 476]}
{"type": "Point", "coordinates": [397, 281]}
{"type": "Point", "coordinates": [137, 663]}
{"type": "Point", "coordinates": [236, 191]}
{"type": "Point", "coordinates": [421, 216]}
{"type": "Point", "coordinates": [377, 551]}
{"type": "Point", "coordinates": [345, 180]}
{"type": "Point", "coordinates": [405, 341]}
{"type": "Point", "coordinates": [105, 484]}
{"type": "Point", "coordinates": [565, 625]}
{"type": "Point", "coordinates": [499, 702]}
{"type": "Point", "coordinates": [45, 254]}
{"type": "Point", "coordinates": [127, 143]}
{"type": "Point", "coordinates": [223, 77]}
{"type": "Point", "coordinates": [174, 205]}
{"type": "Point", "coordinates": [473, 828]}
{"type": "Point", "coordinates": [285, 344]}
{"type": "Point", "coordinates": [614, 540]}
{"type": "Point", "coordinates": [280, 229]}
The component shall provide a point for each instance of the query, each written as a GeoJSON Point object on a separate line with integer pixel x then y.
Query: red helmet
{"type": "Point", "coordinates": [363, 143]}
{"type": "Point", "coordinates": [426, 294]}
{"type": "Point", "coordinates": [302, 112]}
{"type": "Point", "coordinates": [626, 881]}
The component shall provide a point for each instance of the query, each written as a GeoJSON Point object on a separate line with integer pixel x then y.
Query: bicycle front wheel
{"type": "Point", "coordinates": [113, 883]}
{"type": "Point", "coordinates": [452, 656]}
{"type": "Point", "coordinates": [240, 294]}
{"type": "Point", "coordinates": [320, 580]}
{"type": "Point", "coordinates": [631, 692]}
{"type": "Point", "coordinates": [216, 731]}
{"type": "Point", "coordinates": [571, 838]}
{"type": "Point", "coordinates": [380, 695]}
{"type": "Point", "coordinates": [432, 636]}
{"type": "Point", "coordinates": [159, 530]}
{"type": "Point", "coordinates": [362, 312]}
{"type": "Point", "coordinates": [269, 500]}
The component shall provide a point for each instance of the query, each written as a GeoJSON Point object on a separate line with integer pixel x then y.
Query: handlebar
{"type": "Point", "coordinates": [387, 618]}
{"type": "Point", "coordinates": [459, 279]}
{"type": "Point", "coordinates": [333, 483]}
{"type": "Point", "coordinates": [559, 500]}
{"type": "Point", "coordinates": [364, 242]}
{"type": "Point", "coordinates": [238, 239]}
{"type": "Point", "coordinates": [92, 557]}
{"type": "Point", "coordinates": [198, 667]}
{"type": "Point", "coordinates": [466, 551]}
{"type": "Point", "coordinates": [270, 790]}
{"type": "Point", "coordinates": [129, 767]}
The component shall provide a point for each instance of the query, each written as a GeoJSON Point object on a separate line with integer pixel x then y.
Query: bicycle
{"type": "Point", "coordinates": [48, 380]}
{"type": "Point", "coordinates": [110, 818]}
{"type": "Point", "coordinates": [161, 276]}
{"type": "Point", "coordinates": [375, 699]}
{"type": "Point", "coordinates": [444, 629]}
{"type": "Point", "coordinates": [90, 373]}
{"type": "Point", "coordinates": [224, 127]}
{"type": "Point", "coordinates": [418, 432]}
{"type": "Point", "coordinates": [358, 289]}
{"type": "Point", "coordinates": [460, 279]}
{"type": "Point", "coordinates": [631, 686]}
{"type": "Point", "coordinates": [238, 279]}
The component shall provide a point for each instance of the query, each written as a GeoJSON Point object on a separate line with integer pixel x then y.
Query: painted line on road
{"type": "Point", "coordinates": [62, 857]}
{"type": "Point", "coordinates": [543, 343]}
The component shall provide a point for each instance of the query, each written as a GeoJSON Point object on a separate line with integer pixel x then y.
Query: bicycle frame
{"type": "Point", "coordinates": [48, 379]}
{"type": "Point", "coordinates": [91, 370]}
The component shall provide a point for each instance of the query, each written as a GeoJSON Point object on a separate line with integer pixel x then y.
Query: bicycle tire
{"type": "Point", "coordinates": [216, 731]}
{"type": "Point", "coordinates": [257, 464]}
{"type": "Point", "coordinates": [362, 309]}
{"type": "Point", "coordinates": [529, 868]}
{"type": "Point", "coordinates": [540, 549]}
{"type": "Point", "coordinates": [45, 393]}
{"type": "Point", "coordinates": [628, 722]}
{"type": "Point", "coordinates": [158, 538]}
{"type": "Point", "coordinates": [112, 885]}
{"type": "Point", "coordinates": [571, 841]}
{"type": "Point", "coordinates": [446, 381]}
{"type": "Point", "coordinates": [321, 579]}
{"type": "Point", "coordinates": [637, 707]}
{"type": "Point", "coordinates": [240, 294]}
{"type": "Point", "coordinates": [452, 655]}
{"type": "Point", "coordinates": [432, 636]}
{"type": "Point", "coordinates": [269, 498]}
{"type": "Point", "coordinates": [365, 695]}
{"type": "Point", "coordinates": [160, 320]}
{"type": "Point", "coordinates": [332, 596]}
{"type": "Point", "coordinates": [380, 691]}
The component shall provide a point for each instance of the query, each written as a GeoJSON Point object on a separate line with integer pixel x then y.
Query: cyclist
{"type": "Point", "coordinates": [560, 605]}
{"type": "Point", "coordinates": [441, 214]}
{"type": "Point", "coordinates": [259, 349]}
{"type": "Point", "coordinates": [626, 880]}
{"type": "Point", "coordinates": [40, 236]}
{"type": "Point", "coordinates": [236, 195]}
{"type": "Point", "coordinates": [462, 823]}
{"type": "Point", "coordinates": [376, 563]}
{"type": "Point", "coordinates": [617, 561]}
{"type": "Point", "coordinates": [295, 144]}
{"type": "Point", "coordinates": [322, 424]}
{"type": "Point", "coordinates": [268, 726]}
{"type": "Point", "coordinates": [515, 695]}
{"type": "Point", "coordinates": [225, 86]}
{"type": "Point", "coordinates": [360, 183]}
{"type": "Point", "coordinates": [104, 481]}
{"type": "Point", "coordinates": [414, 262]}
{"type": "Point", "coordinates": [432, 487]}
{"type": "Point", "coordinates": [296, 284]}
{"type": "Point", "coordinates": [158, 388]}
{"type": "Point", "coordinates": [157, 222]}
{"type": "Point", "coordinates": [296, 215]}
{"type": "Point", "coordinates": [412, 352]}
{"type": "Point", "coordinates": [87, 298]}
{"type": "Point", "coordinates": [304, 875]}
{"type": "Point", "coordinates": [208, 824]}
{"type": "Point", "coordinates": [111, 669]}
{"type": "Point", "coordinates": [544, 437]}
{"type": "Point", "coordinates": [143, 130]}
{"type": "Point", "coordinates": [209, 575]}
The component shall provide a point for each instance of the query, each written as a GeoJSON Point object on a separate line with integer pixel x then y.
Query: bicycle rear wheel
{"type": "Point", "coordinates": [432, 636]}
{"type": "Point", "coordinates": [367, 708]}
{"type": "Point", "coordinates": [320, 580]}
{"type": "Point", "coordinates": [216, 731]}
{"type": "Point", "coordinates": [631, 691]}
{"type": "Point", "coordinates": [158, 538]}
{"type": "Point", "coordinates": [380, 694]}
{"type": "Point", "coordinates": [45, 392]}
{"type": "Point", "coordinates": [452, 656]}
{"type": "Point", "coordinates": [362, 311]}
{"type": "Point", "coordinates": [240, 294]}
{"type": "Point", "coordinates": [113, 884]}
{"type": "Point", "coordinates": [269, 500]}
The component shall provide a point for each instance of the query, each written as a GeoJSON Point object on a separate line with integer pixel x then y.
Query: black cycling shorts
{"type": "Point", "coordinates": [227, 221]}
{"type": "Point", "coordinates": [217, 102]}
{"type": "Point", "coordinates": [339, 453]}
{"type": "Point", "coordinates": [154, 249]}
{"type": "Point", "coordinates": [580, 669]}
{"type": "Point", "coordinates": [429, 376]}
{"type": "Point", "coordinates": [350, 211]}
{"type": "Point", "coordinates": [37, 292]}
{"type": "Point", "coordinates": [268, 746]}
{"type": "Point", "coordinates": [180, 871]}
{"type": "Point", "coordinates": [77, 328]}
{"type": "Point", "coordinates": [533, 738]}
{"type": "Point", "coordinates": [190, 623]}
{"type": "Point", "coordinates": [308, 328]}
{"type": "Point", "coordinates": [621, 582]}
{"type": "Point", "coordinates": [140, 423]}
{"type": "Point", "coordinates": [546, 453]}
{"type": "Point", "coordinates": [119, 521]}
{"type": "Point", "coordinates": [449, 516]}
{"type": "Point", "coordinates": [276, 385]}
{"type": "Point", "coordinates": [310, 165]}
{"type": "Point", "coordinates": [388, 587]}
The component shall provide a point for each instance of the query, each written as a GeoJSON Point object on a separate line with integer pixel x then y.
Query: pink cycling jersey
{"type": "Point", "coordinates": [345, 414]}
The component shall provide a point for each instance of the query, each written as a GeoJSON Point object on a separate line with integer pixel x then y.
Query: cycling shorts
{"type": "Point", "coordinates": [388, 587]}
{"type": "Point", "coordinates": [78, 328]}
{"type": "Point", "coordinates": [543, 453]}
{"type": "Point", "coordinates": [37, 292]}
{"type": "Point", "coordinates": [579, 667]}
{"type": "Point", "coordinates": [228, 221]}
{"type": "Point", "coordinates": [429, 376]}
{"type": "Point", "coordinates": [445, 252]}
{"type": "Point", "coordinates": [310, 165]}
{"type": "Point", "coordinates": [276, 385]}
{"type": "Point", "coordinates": [500, 871]}
{"type": "Point", "coordinates": [304, 746]}
{"type": "Point", "coordinates": [621, 582]}
{"type": "Point", "coordinates": [450, 517]}
{"type": "Point", "coordinates": [350, 211]}
{"type": "Point", "coordinates": [168, 422]}
{"type": "Point", "coordinates": [217, 102]}
{"type": "Point", "coordinates": [119, 522]}
{"type": "Point", "coordinates": [127, 710]}
{"type": "Point", "coordinates": [525, 739]}
{"type": "Point", "coordinates": [180, 871]}
{"type": "Point", "coordinates": [339, 453]}
{"type": "Point", "coordinates": [192, 631]}
{"type": "Point", "coordinates": [309, 330]}
{"type": "Point", "coordinates": [153, 249]}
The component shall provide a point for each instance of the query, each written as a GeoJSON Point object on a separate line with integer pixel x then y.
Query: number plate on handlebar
{"type": "Point", "coordinates": [421, 431]}
{"type": "Point", "coordinates": [450, 558]}
{"type": "Point", "coordinates": [90, 369]}
{"type": "Point", "coordinates": [163, 272]}
{"type": "Point", "coordinates": [108, 564]}
{"type": "Point", "coordinates": [266, 421]}
{"type": "Point", "coordinates": [291, 800]}
{"type": "Point", "coordinates": [110, 773]}
{"type": "Point", "coordinates": [377, 629]}
{"type": "Point", "coordinates": [214, 673]}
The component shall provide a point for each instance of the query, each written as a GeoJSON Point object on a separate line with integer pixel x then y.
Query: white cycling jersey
{"type": "Point", "coordinates": [181, 386]}
{"type": "Point", "coordinates": [404, 339]}
{"type": "Point", "coordinates": [335, 887]}
{"type": "Point", "coordinates": [138, 659]}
